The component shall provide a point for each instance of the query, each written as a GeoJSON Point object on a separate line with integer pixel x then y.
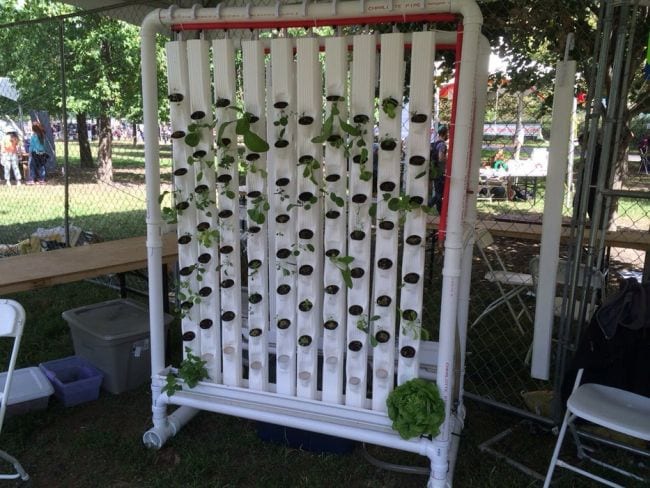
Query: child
{"type": "Point", "coordinates": [499, 162]}
{"type": "Point", "coordinates": [11, 152]}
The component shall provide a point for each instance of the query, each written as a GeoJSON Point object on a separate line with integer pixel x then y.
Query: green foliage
{"type": "Point", "coordinates": [364, 324]}
{"type": "Point", "coordinates": [389, 107]}
{"type": "Point", "coordinates": [260, 207]}
{"type": "Point", "coordinates": [191, 371]}
{"type": "Point", "coordinates": [416, 409]}
{"type": "Point", "coordinates": [343, 264]}
{"type": "Point", "coordinates": [243, 123]}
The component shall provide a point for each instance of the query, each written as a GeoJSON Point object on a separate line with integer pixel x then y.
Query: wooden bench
{"type": "Point", "coordinates": [32, 271]}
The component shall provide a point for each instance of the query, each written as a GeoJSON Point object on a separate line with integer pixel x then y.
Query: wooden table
{"type": "Point", "coordinates": [625, 238]}
{"type": "Point", "coordinates": [32, 271]}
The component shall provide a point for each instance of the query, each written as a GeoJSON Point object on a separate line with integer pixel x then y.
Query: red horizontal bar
{"type": "Point", "coordinates": [282, 24]}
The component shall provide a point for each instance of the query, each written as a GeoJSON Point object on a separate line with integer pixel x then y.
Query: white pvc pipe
{"type": "Point", "coordinates": [454, 236]}
{"type": "Point", "coordinates": [156, 437]}
{"type": "Point", "coordinates": [552, 219]}
{"type": "Point", "coordinates": [470, 205]}
{"type": "Point", "coordinates": [150, 27]}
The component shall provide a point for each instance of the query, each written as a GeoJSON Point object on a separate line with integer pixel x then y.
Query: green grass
{"type": "Point", "coordinates": [99, 443]}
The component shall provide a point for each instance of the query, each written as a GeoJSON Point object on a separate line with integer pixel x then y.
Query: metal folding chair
{"type": "Point", "coordinates": [12, 321]}
{"type": "Point", "coordinates": [511, 285]}
{"type": "Point", "coordinates": [612, 408]}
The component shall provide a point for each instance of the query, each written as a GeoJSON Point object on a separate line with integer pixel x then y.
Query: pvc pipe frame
{"type": "Point", "coordinates": [329, 14]}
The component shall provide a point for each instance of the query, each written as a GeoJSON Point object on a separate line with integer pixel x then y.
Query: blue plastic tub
{"type": "Point", "coordinates": [74, 379]}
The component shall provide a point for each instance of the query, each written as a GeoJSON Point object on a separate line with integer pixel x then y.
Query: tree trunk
{"type": "Point", "coordinates": [105, 150]}
{"type": "Point", "coordinates": [85, 153]}
{"type": "Point", "coordinates": [519, 129]}
{"type": "Point", "coordinates": [134, 128]}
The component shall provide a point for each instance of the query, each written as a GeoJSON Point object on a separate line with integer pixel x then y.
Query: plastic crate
{"type": "Point", "coordinates": [74, 379]}
{"type": "Point", "coordinates": [30, 390]}
{"type": "Point", "coordinates": [114, 337]}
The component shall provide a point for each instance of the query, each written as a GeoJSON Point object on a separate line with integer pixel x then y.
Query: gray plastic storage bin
{"type": "Point", "coordinates": [30, 390]}
{"type": "Point", "coordinates": [114, 337]}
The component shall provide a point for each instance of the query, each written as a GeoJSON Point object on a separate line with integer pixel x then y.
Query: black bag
{"type": "Point", "coordinates": [614, 349]}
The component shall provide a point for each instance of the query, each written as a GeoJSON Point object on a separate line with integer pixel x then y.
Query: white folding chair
{"type": "Point", "coordinates": [612, 408]}
{"type": "Point", "coordinates": [511, 285]}
{"type": "Point", "coordinates": [12, 321]}
{"type": "Point", "coordinates": [596, 283]}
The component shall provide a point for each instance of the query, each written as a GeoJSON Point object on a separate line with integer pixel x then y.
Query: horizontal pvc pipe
{"type": "Point", "coordinates": [419, 446]}
{"type": "Point", "coordinates": [156, 437]}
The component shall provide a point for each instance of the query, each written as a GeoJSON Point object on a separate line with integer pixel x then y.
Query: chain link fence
{"type": "Point", "coordinates": [81, 82]}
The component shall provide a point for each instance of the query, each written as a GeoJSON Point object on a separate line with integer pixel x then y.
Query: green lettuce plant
{"type": "Point", "coordinates": [416, 409]}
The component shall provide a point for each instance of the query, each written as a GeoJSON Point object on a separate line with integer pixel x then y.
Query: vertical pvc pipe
{"type": "Point", "coordinates": [417, 186]}
{"type": "Point", "coordinates": [225, 90]}
{"type": "Point", "coordinates": [257, 249]}
{"type": "Point", "coordinates": [552, 219]}
{"type": "Point", "coordinates": [384, 302]}
{"type": "Point", "coordinates": [470, 206]}
{"type": "Point", "coordinates": [304, 335]}
{"type": "Point", "coordinates": [183, 186]}
{"type": "Point", "coordinates": [152, 176]}
{"type": "Point", "coordinates": [454, 241]}
{"type": "Point", "coordinates": [282, 192]}
{"type": "Point", "coordinates": [335, 233]}
{"type": "Point", "coordinates": [207, 339]}
{"type": "Point", "coordinates": [364, 51]}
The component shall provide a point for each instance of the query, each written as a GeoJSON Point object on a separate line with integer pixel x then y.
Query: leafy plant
{"type": "Point", "coordinates": [364, 324]}
{"type": "Point", "coordinates": [406, 203]}
{"type": "Point", "coordinates": [243, 123]}
{"type": "Point", "coordinates": [416, 409]}
{"type": "Point", "coordinates": [191, 371]}
{"type": "Point", "coordinates": [343, 264]}
{"type": "Point", "coordinates": [170, 214]}
{"type": "Point", "coordinates": [207, 236]}
{"type": "Point", "coordinates": [310, 166]}
{"type": "Point", "coordinates": [389, 107]}
{"type": "Point", "coordinates": [260, 206]}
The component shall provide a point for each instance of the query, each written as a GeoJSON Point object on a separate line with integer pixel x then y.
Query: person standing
{"type": "Point", "coordinates": [39, 156]}
{"type": "Point", "coordinates": [11, 152]}
{"type": "Point", "coordinates": [438, 164]}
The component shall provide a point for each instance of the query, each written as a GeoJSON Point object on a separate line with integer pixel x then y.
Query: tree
{"type": "Point", "coordinates": [533, 35]}
{"type": "Point", "coordinates": [101, 62]}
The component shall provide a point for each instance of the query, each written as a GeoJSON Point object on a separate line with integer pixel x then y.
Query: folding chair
{"type": "Point", "coordinates": [612, 408]}
{"type": "Point", "coordinates": [511, 285]}
{"type": "Point", "coordinates": [12, 321]}
{"type": "Point", "coordinates": [596, 283]}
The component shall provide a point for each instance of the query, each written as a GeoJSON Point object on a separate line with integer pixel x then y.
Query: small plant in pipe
{"type": "Point", "coordinates": [327, 130]}
{"type": "Point", "coordinates": [389, 106]}
{"type": "Point", "coordinates": [364, 324]}
{"type": "Point", "coordinates": [309, 168]}
{"type": "Point", "coordinates": [207, 237]}
{"type": "Point", "coordinates": [357, 133]}
{"type": "Point", "coordinates": [170, 213]}
{"type": "Point", "coordinates": [411, 325]}
{"type": "Point", "coordinates": [416, 409]}
{"type": "Point", "coordinates": [406, 203]}
{"type": "Point", "coordinates": [388, 143]}
{"type": "Point", "coordinates": [260, 207]}
{"type": "Point", "coordinates": [252, 141]}
{"type": "Point", "coordinates": [343, 264]}
{"type": "Point", "coordinates": [191, 371]}
{"type": "Point", "coordinates": [282, 123]}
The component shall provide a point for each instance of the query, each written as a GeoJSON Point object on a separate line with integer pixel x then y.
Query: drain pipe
{"type": "Point", "coordinates": [165, 426]}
